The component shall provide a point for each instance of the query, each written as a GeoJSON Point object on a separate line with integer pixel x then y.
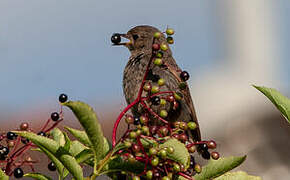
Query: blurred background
{"type": "Point", "coordinates": [53, 47]}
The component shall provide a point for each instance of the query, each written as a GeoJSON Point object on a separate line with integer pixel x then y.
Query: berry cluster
{"type": "Point", "coordinates": [13, 155]}
{"type": "Point", "coordinates": [158, 164]}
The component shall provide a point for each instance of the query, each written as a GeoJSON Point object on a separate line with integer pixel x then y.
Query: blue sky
{"type": "Point", "coordinates": [50, 47]}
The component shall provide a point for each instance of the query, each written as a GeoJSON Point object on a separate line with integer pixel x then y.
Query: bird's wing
{"type": "Point", "coordinates": [175, 71]}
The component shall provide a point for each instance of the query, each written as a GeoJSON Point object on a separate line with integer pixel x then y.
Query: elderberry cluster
{"type": "Point", "coordinates": [144, 140]}
{"type": "Point", "coordinates": [13, 156]}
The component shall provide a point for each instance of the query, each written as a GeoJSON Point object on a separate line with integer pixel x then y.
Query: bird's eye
{"type": "Point", "coordinates": [135, 36]}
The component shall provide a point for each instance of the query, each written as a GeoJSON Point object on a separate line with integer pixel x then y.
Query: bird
{"type": "Point", "coordinates": [139, 43]}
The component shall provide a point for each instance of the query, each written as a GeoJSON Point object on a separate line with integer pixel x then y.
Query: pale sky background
{"type": "Point", "coordinates": [52, 46]}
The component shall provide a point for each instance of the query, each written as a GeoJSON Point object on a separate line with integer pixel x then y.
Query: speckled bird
{"type": "Point", "coordinates": [140, 40]}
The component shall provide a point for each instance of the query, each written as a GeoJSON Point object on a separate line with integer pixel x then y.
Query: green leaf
{"type": "Point", "coordinates": [118, 164]}
{"type": "Point", "coordinates": [72, 166]}
{"type": "Point", "coordinates": [280, 101]}
{"type": "Point", "coordinates": [57, 163]}
{"type": "Point", "coordinates": [85, 155]}
{"type": "Point", "coordinates": [215, 168]}
{"type": "Point", "coordinates": [59, 152]}
{"type": "Point", "coordinates": [37, 176]}
{"type": "Point", "coordinates": [80, 135]}
{"type": "Point", "coordinates": [58, 136]}
{"type": "Point", "coordinates": [76, 147]}
{"type": "Point", "coordinates": [180, 153]}
{"type": "Point", "coordinates": [51, 145]}
{"type": "Point", "coordinates": [3, 176]}
{"type": "Point", "coordinates": [240, 175]}
{"type": "Point", "coordinates": [90, 123]}
{"type": "Point", "coordinates": [67, 144]}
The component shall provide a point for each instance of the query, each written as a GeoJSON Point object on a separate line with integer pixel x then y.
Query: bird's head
{"type": "Point", "coordinates": [140, 38]}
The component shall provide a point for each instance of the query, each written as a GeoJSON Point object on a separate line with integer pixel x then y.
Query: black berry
{"type": "Point", "coordinates": [136, 121]}
{"type": "Point", "coordinates": [4, 151]}
{"type": "Point", "coordinates": [18, 173]}
{"type": "Point", "coordinates": [205, 155]}
{"type": "Point", "coordinates": [184, 76]}
{"type": "Point", "coordinates": [203, 147]}
{"type": "Point", "coordinates": [62, 98]}
{"type": "Point", "coordinates": [116, 38]}
{"type": "Point", "coordinates": [11, 135]}
{"type": "Point", "coordinates": [2, 157]}
{"type": "Point", "coordinates": [24, 140]}
{"type": "Point", "coordinates": [41, 133]}
{"type": "Point", "coordinates": [192, 161]}
{"type": "Point", "coordinates": [51, 166]}
{"type": "Point", "coordinates": [54, 116]}
{"type": "Point", "coordinates": [155, 100]}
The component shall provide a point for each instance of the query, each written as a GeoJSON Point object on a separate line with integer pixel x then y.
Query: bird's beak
{"type": "Point", "coordinates": [127, 44]}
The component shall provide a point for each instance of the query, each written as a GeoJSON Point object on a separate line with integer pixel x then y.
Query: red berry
{"type": "Point", "coordinates": [170, 98]}
{"type": "Point", "coordinates": [24, 126]}
{"type": "Point", "coordinates": [183, 137]}
{"type": "Point", "coordinates": [155, 47]}
{"type": "Point", "coordinates": [215, 155]}
{"type": "Point", "coordinates": [211, 144]}
{"type": "Point", "coordinates": [136, 148]}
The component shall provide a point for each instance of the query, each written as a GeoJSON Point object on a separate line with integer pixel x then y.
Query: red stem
{"type": "Point", "coordinates": [186, 176]}
{"type": "Point", "coordinates": [153, 113]}
{"type": "Point", "coordinates": [53, 126]}
{"type": "Point", "coordinates": [119, 119]}
{"type": "Point", "coordinates": [195, 143]}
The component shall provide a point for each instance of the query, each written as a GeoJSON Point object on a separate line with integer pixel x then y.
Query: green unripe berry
{"type": "Point", "coordinates": [191, 125]}
{"type": "Point", "coordinates": [162, 153]}
{"type": "Point", "coordinates": [145, 130]}
{"type": "Point", "coordinates": [183, 125]}
{"type": "Point", "coordinates": [131, 159]}
{"type": "Point", "coordinates": [163, 113]}
{"type": "Point", "coordinates": [162, 102]}
{"type": "Point", "coordinates": [155, 89]}
{"type": "Point", "coordinates": [192, 149]}
{"type": "Point", "coordinates": [147, 87]}
{"type": "Point", "coordinates": [138, 132]}
{"type": "Point", "coordinates": [182, 85]}
{"type": "Point", "coordinates": [155, 161]}
{"type": "Point", "coordinates": [176, 167]}
{"type": "Point", "coordinates": [163, 47]}
{"type": "Point", "coordinates": [143, 119]}
{"type": "Point", "coordinates": [149, 174]}
{"type": "Point", "coordinates": [136, 178]}
{"type": "Point", "coordinates": [197, 168]}
{"type": "Point", "coordinates": [158, 61]}
{"type": "Point", "coordinates": [159, 54]}
{"type": "Point", "coordinates": [153, 151]}
{"type": "Point", "coordinates": [169, 40]}
{"type": "Point", "coordinates": [170, 150]}
{"type": "Point", "coordinates": [132, 135]}
{"type": "Point", "coordinates": [164, 130]}
{"type": "Point", "coordinates": [176, 124]}
{"type": "Point", "coordinates": [129, 120]}
{"type": "Point", "coordinates": [169, 31]}
{"type": "Point", "coordinates": [165, 178]}
{"type": "Point", "coordinates": [177, 96]}
{"type": "Point", "coordinates": [157, 35]}
{"type": "Point", "coordinates": [161, 82]}
{"type": "Point", "coordinates": [127, 144]}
